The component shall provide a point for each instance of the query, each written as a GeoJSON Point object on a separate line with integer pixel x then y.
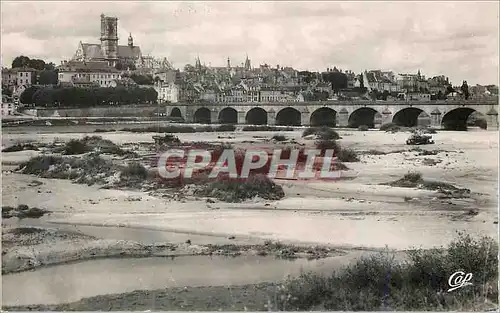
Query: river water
{"type": "Point", "coordinates": [71, 282]}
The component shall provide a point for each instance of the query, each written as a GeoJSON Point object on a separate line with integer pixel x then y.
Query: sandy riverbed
{"type": "Point", "coordinates": [344, 214]}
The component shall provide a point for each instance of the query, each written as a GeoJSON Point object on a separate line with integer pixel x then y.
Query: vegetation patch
{"type": "Point", "coordinates": [236, 190]}
{"type": "Point", "coordinates": [380, 283]}
{"type": "Point", "coordinates": [89, 169]}
{"type": "Point", "coordinates": [376, 283]}
{"type": "Point", "coordinates": [363, 128]}
{"type": "Point", "coordinates": [415, 180]}
{"type": "Point", "coordinates": [417, 138]}
{"type": "Point", "coordinates": [22, 211]}
{"type": "Point", "coordinates": [93, 143]}
{"type": "Point", "coordinates": [347, 155]}
{"type": "Point", "coordinates": [25, 230]}
{"type": "Point", "coordinates": [390, 127]}
{"type": "Point", "coordinates": [20, 147]}
{"type": "Point", "coordinates": [101, 130]}
{"type": "Point", "coordinates": [321, 133]}
{"type": "Point", "coordinates": [225, 128]}
{"type": "Point", "coordinates": [279, 138]}
{"type": "Point", "coordinates": [180, 129]}
{"type": "Point", "coordinates": [342, 154]}
{"type": "Point", "coordinates": [133, 174]}
{"type": "Point", "coordinates": [265, 128]}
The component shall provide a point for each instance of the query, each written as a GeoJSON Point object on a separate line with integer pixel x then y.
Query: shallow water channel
{"type": "Point", "coordinates": [71, 282]}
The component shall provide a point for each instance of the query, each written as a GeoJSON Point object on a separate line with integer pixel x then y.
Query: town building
{"type": "Point", "coordinates": [167, 92]}
{"type": "Point", "coordinates": [87, 74]}
{"type": "Point", "coordinates": [8, 106]}
{"type": "Point", "coordinates": [21, 76]}
{"type": "Point", "coordinates": [9, 77]}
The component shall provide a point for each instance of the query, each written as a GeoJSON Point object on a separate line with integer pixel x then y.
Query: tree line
{"type": "Point", "coordinates": [47, 72]}
{"type": "Point", "coordinates": [81, 97]}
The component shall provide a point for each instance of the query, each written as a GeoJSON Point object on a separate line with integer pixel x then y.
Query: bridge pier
{"type": "Point", "coordinates": [214, 116]}
{"type": "Point", "coordinates": [436, 119]}
{"type": "Point", "coordinates": [377, 120]}
{"type": "Point", "coordinates": [386, 118]}
{"type": "Point", "coordinates": [343, 120]}
{"type": "Point", "coordinates": [271, 118]}
{"type": "Point", "coordinates": [492, 120]}
{"type": "Point", "coordinates": [304, 119]}
{"type": "Point", "coordinates": [241, 117]}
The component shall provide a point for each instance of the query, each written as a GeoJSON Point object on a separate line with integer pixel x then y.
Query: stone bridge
{"type": "Point", "coordinates": [339, 113]}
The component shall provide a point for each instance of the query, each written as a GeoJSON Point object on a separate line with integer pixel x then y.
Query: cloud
{"type": "Point", "coordinates": [456, 39]}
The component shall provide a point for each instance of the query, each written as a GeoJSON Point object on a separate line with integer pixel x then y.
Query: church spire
{"type": "Point", "coordinates": [198, 62]}
{"type": "Point", "coordinates": [248, 66]}
{"type": "Point", "coordinates": [130, 40]}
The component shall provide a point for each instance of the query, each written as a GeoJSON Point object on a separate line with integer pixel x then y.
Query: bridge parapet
{"type": "Point", "coordinates": [341, 103]}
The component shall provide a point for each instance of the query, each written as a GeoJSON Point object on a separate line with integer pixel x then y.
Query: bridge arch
{"type": "Point", "coordinates": [409, 117]}
{"type": "Point", "coordinates": [457, 119]}
{"type": "Point", "coordinates": [324, 117]}
{"type": "Point", "coordinates": [288, 117]}
{"type": "Point", "coordinates": [364, 116]}
{"type": "Point", "coordinates": [228, 116]}
{"type": "Point", "coordinates": [176, 112]}
{"type": "Point", "coordinates": [203, 116]}
{"type": "Point", "coordinates": [256, 116]}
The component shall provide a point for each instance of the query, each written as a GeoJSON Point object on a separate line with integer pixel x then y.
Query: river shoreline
{"type": "Point", "coordinates": [17, 256]}
{"type": "Point", "coordinates": [254, 297]}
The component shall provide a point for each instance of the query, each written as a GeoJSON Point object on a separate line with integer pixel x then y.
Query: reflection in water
{"type": "Point", "coordinates": [71, 282]}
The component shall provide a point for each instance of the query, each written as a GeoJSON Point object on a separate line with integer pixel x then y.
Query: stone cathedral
{"type": "Point", "coordinates": [109, 50]}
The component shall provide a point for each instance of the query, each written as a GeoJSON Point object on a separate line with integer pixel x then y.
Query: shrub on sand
{"type": "Point", "coordinates": [347, 155]}
{"type": "Point", "coordinates": [278, 138]}
{"type": "Point", "coordinates": [389, 127]}
{"type": "Point", "coordinates": [76, 146]}
{"type": "Point", "coordinates": [322, 133]}
{"type": "Point", "coordinates": [380, 282]}
{"type": "Point", "coordinates": [134, 172]}
{"type": "Point", "coordinates": [324, 145]}
{"type": "Point", "coordinates": [236, 190]}
{"type": "Point", "coordinates": [226, 128]}
{"type": "Point", "coordinates": [20, 147]}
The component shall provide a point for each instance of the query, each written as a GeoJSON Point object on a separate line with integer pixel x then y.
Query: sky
{"type": "Point", "coordinates": [456, 39]}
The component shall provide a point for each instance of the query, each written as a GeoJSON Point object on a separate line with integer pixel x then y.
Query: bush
{"type": "Point", "coordinates": [324, 145]}
{"type": "Point", "coordinates": [389, 127]}
{"type": "Point", "coordinates": [225, 128]}
{"type": "Point", "coordinates": [39, 164]}
{"type": "Point", "coordinates": [347, 155]}
{"type": "Point", "coordinates": [134, 172]}
{"type": "Point", "coordinates": [26, 231]}
{"type": "Point", "coordinates": [236, 190]}
{"type": "Point", "coordinates": [31, 213]}
{"type": "Point", "coordinates": [89, 143]}
{"type": "Point", "coordinates": [89, 169]}
{"type": "Point", "coordinates": [413, 177]}
{"type": "Point", "coordinates": [279, 138]}
{"type": "Point", "coordinates": [379, 282]}
{"type": "Point", "coordinates": [100, 130]}
{"type": "Point", "coordinates": [363, 128]}
{"type": "Point", "coordinates": [20, 147]}
{"type": "Point", "coordinates": [76, 146]}
{"type": "Point", "coordinates": [322, 133]}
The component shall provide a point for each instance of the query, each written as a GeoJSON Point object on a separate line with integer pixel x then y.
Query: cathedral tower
{"type": "Point", "coordinates": [109, 38]}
